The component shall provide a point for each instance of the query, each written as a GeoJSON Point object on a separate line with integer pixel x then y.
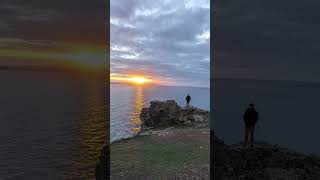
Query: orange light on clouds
{"type": "Point", "coordinates": [133, 79]}
{"type": "Point", "coordinates": [59, 55]}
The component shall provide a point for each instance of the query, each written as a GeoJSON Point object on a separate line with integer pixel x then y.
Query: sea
{"type": "Point", "coordinates": [289, 112]}
{"type": "Point", "coordinates": [53, 124]}
{"type": "Point", "coordinates": [126, 102]}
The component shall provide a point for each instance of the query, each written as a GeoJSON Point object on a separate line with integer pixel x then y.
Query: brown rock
{"type": "Point", "coordinates": [162, 114]}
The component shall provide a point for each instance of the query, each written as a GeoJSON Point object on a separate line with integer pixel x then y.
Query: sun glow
{"type": "Point", "coordinates": [132, 79]}
{"type": "Point", "coordinates": [139, 80]}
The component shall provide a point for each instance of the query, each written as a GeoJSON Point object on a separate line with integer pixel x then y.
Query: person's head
{"type": "Point", "coordinates": [251, 106]}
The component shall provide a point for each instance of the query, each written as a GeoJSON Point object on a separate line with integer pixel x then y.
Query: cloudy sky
{"type": "Point", "coordinates": [41, 32]}
{"type": "Point", "coordinates": [166, 40]}
{"type": "Point", "coordinates": [268, 39]}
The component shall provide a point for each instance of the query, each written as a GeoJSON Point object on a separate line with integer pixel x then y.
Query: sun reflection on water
{"type": "Point", "coordinates": [138, 105]}
{"type": "Point", "coordinates": [92, 132]}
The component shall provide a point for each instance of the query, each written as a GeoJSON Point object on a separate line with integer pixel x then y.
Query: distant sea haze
{"type": "Point", "coordinates": [288, 111]}
{"type": "Point", "coordinates": [126, 102]}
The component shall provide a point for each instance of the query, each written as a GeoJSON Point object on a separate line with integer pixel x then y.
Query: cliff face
{"type": "Point", "coordinates": [163, 114]}
{"type": "Point", "coordinates": [264, 162]}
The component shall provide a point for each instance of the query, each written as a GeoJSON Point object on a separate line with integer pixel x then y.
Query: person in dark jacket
{"type": "Point", "coordinates": [188, 98]}
{"type": "Point", "coordinates": [250, 118]}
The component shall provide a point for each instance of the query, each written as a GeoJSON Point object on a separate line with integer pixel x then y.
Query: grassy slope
{"type": "Point", "coordinates": [181, 153]}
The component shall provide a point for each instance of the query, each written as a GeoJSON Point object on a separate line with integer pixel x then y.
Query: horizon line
{"type": "Point", "coordinates": [162, 85]}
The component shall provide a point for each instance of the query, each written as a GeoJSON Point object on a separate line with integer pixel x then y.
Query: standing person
{"type": "Point", "coordinates": [250, 118]}
{"type": "Point", "coordinates": [188, 98]}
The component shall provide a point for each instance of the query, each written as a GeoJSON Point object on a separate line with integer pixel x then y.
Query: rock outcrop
{"type": "Point", "coordinates": [163, 114]}
{"type": "Point", "coordinates": [263, 162]}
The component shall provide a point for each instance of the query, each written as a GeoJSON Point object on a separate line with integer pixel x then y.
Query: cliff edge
{"type": "Point", "coordinates": [263, 162]}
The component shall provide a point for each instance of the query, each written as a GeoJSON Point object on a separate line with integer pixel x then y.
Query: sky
{"type": "Point", "coordinates": [164, 40]}
{"type": "Point", "coordinates": [267, 39]}
{"type": "Point", "coordinates": [37, 32]}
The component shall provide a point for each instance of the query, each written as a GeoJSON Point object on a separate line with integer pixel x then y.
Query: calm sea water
{"type": "Point", "coordinates": [289, 112]}
{"type": "Point", "coordinates": [127, 101]}
{"type": "Point", "coordinates": [53, 125]}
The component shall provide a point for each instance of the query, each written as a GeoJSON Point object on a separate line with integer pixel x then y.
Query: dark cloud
{"type": "Point", "coordinates": [69, 21]}
{"type": "Point", "coordinates": [168, 39]}
{"type": "Point", "coordinates": [267, 39]}
{"type": "Point", "coordinates": [74, 32]}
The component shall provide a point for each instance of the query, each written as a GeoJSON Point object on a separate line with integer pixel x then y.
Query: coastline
{"type": "Point", "coordinates": [169, 145]}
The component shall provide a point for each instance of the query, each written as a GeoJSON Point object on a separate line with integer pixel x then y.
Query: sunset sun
{"type": "Point", "coordinates": [132, 79]}
{"type": "Point", "coordinates": [139, 80]}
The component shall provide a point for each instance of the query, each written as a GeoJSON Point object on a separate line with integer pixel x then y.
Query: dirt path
{"type": "Point", "coordinates": [167, 154]}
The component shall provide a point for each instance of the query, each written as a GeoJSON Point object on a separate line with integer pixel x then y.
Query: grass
{"type": "Point", "coordinates": [164, 156]}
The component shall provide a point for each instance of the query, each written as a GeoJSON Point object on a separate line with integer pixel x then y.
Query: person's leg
{"type": "Point", "coordinates": [246, 134]}
{"type": "Point", "coordinates": [252, 135]}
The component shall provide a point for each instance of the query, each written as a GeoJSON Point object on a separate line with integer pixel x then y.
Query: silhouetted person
{"type": "Point", "coordinates": [250, 118]}
{"type": "Point", "coordinates": [188, 98]}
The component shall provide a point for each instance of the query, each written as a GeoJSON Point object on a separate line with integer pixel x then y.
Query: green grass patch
{"type": "Point", "coordinates": [145, 154]}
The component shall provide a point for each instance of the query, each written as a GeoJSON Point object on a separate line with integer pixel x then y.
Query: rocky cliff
{"type": "Point", "coordinates": [263, 162]}
{"type": "Point", "coordinates": [173, 144]}
{"type": "Point", "coordinates": [162, 114]}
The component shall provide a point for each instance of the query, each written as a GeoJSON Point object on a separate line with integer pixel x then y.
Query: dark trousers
{"type": "Point", "coordinates": [249, 135]}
